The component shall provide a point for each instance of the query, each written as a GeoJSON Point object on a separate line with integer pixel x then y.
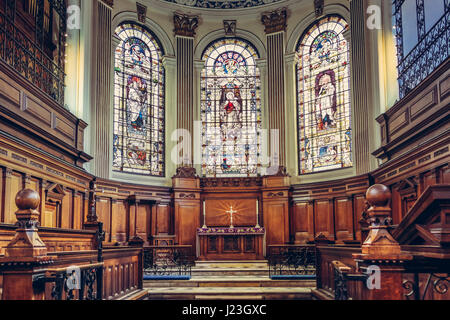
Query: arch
{"type": "Point", "coordinates": [139, 102]}
{"type": "Point", "coordinates": [151, 25]}
{"type": "Point", "coordinates": [218, 34]}
{"type": "Point", "coordinates": [231, 109]}
{"type": "Point", "coordinates": [324, 97]}
{"type": "Point", "coordinates": [298, 31]}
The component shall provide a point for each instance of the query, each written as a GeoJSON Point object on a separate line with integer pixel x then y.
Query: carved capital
{"type": "Point", "coordinates": [318, 7]}
{"type": "Point", "coordinates": [109, 3]}
{"type": "Point", "coordinates": [275, 21]}
{"type": "Point", "coordinates": [141, 12]}
{"type": "Point", "coordinates": [185, 25]}
{"type": "Point", "coordinates": [229, 27]}
{"type": "Point", "coordinates": [186, 173]}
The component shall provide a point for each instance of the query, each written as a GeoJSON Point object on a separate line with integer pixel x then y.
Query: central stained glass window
{"type": "Point", "coordinates": [231, 109]}
{"type": "Point", "coordinates": [138, 103]}
{"type": "Point", "coordinates": [323, 97]}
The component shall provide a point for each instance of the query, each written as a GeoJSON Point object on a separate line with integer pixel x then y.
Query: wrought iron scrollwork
{"type": "Point", "coordinates": [292, 260]}
{"type": "Point", "coordinates": [435, 284]}
{"type": "Point", "coordinates": [168, 261]}
{"type": "Point", "coordinates": [430, 51]}
{"type": "Point", "coordinates": [89, 283]}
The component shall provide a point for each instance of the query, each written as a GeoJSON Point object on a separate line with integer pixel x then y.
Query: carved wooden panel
{"type": "Point", "coordinates": [104, 215]}
{"type": "Point", "coordinates": [163, 219]}
{"type": "Point", "coordinates": [13, 185]}
{"type": "Point", "coordinates": [324, 218]}
{"type": "Point", "coordinates": [187, 221]}
{"type": "Point", "coordinates": [303, 221]}
{"type": "Point", "coordinates": [276, 222]}
{"type": "Point", "coordinates": [343, 219]}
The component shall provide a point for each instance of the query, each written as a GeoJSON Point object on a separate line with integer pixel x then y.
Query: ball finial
{"type": "Point", "coordinates": [27, 199]}
{"type": "Point", "coordinates": [378, 195]}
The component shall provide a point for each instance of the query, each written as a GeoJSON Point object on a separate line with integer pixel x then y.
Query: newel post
{"type": "Point", "coordinates": [26, 254]}
{"type": "Point", "coordinates": [381, 251]}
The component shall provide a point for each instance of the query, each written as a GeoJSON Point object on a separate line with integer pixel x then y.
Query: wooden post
{"type": "Point", "coordinates": [26, 253]}
{"type": "Point", "coordinates": [380, 249]}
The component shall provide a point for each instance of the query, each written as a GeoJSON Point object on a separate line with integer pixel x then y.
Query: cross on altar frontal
{"type": "Point", "coordinates": [231, 211]}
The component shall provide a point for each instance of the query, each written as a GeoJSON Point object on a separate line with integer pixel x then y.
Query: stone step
{"type": "Point", "coordinates": [229, 282]}
{"type": "Point", "coordinates": [229, 272]}
{"type": "Point", "coordinates": [217, 293]}
{"type": "Point", "coordinates": [212, 265]}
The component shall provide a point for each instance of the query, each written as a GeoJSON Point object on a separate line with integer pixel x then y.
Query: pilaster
{"type": "Point", "coordinates": [101, 97]}
{"type": "Point", "coordinates": [275, 27]}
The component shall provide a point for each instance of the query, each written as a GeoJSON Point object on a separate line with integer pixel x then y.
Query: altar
{"type": "Point", "coordinates": [231, 243]}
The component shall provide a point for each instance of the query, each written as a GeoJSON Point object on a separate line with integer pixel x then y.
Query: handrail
{"type": "Point", "coordinates": [341, 276]}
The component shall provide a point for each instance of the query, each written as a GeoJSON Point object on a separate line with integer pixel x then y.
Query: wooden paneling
{"type": "Point", "coordinates": [333, 208]}
{"type": "Point", "coordinates": [423, 114]}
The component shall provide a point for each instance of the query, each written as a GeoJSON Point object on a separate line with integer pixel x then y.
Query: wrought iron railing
{"type": "Point", "coordinates": [87, 283]}
{"type": "Point", "coordinates": [28, 58]}
{"type": "Point", "coordinates": [435, 284]}
{"type": "Point", "coordinates": [168, 261]}
{"type": "Point", "coordinates": [292, 260]}
{"type": "Point", "coordinates": [431, 50]}
{"type": "Point", "coordinates": [341, 277]}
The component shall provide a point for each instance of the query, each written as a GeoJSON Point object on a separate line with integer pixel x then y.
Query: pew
{"type": "Point", "coordinates": [35, 261]}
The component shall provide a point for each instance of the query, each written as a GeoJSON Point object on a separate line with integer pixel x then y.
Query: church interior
{"type": "Point", "coordinates": [224, 150]}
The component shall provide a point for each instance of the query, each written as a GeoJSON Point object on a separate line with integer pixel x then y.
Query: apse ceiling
{"type": "Point", "coordinates": [223, 4]}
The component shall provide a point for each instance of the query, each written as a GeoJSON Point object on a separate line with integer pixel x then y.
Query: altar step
{"type": "Point", "coordinates": [229, 280]}
{"type": "Point", "coordinates": [231, 268]}
{"type": "Point", "coordinates": [227, 293]}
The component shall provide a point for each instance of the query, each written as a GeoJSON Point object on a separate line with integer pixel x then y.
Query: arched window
{"type": "Point", "coordinates": [138, 103]}
{"type": "Point", "coordinates": [323, 97]}
{"type": "Point", "coordinates": [231, 109]}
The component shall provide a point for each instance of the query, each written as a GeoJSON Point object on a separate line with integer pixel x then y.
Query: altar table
{"type": "Point", "coordinates": [239, 243]}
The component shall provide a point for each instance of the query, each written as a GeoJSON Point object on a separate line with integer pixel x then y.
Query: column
{"type": "Point", "coordinates": [184, 34]}
{"type": "Point", "coordinates": [275, 27]}
{"type": "Point", "coordinates": [101, 79]}
{"type": "Point", "coordinates": [361, 108]}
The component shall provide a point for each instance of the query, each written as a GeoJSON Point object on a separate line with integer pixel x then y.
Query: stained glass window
{"type": "Point", "coordinates": [324, 110]}
{"type": "Point", "coordinates": [138, 103]}
{"type": "Point", "coordinates": [231, 109]}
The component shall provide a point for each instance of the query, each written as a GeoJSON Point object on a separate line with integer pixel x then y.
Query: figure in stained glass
{"type": "Point", "coordinates": [138, 103]}
{"type": "Point", "coordinates": [230, 109]}
{"type": "Point", "coordinates": [325, 100]}
{"type": "Point", "coordinates": [324, 110]}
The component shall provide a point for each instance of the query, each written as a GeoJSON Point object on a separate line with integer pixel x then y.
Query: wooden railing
{"type": "Point", "coordinates": [413, 264]}
{"type": "Point", "coordinates": [102, 272]}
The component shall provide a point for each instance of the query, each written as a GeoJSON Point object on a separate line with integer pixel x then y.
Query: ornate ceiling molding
{"type": "Point", "coordinates": [185, 25]}
{"type": "Point", "coordinates": [223, 4]}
